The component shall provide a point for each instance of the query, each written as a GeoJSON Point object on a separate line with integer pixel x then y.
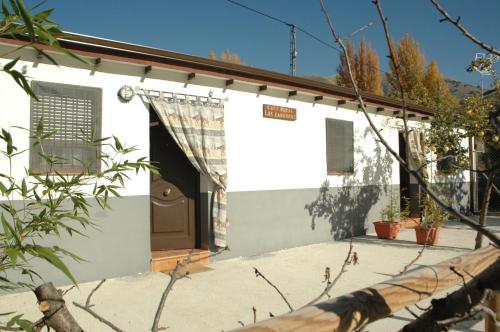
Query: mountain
{"type": "Point", "coordinates": [323, 79]}
{"type": "Point", "coordinates": [462, 90]}
{"type": "Point", "coordinates": [458, 89]}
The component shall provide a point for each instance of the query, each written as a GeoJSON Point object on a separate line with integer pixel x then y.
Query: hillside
{"type": "Point", "coordinates": [459, 89]}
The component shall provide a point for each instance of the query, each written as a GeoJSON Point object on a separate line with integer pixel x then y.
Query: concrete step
{"type": "Point", "coordinates": [166, 260]}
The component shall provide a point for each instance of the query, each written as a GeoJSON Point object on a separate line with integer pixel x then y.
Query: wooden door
{"type": "Point", "coordinates": [173, 193]}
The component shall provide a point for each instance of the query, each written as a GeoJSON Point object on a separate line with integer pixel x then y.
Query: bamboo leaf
{"type": "Point", "coordinates": [5, 9]}
{"type": "Point", "coordinates": [27, 19]}
{"type": "Point", "coordinates": [39, 128]}
{"type": "Point", "coordinates": [24, 188]}
{"type": "Point", "coordinates": [3, 188]}
{"type": "Point", "coordinates": [7, 67]}
{"type": "Point", "coordinates": [14, 7]}
{"type": "Point", "coordinates": [7, 226]}
{"type": "Point", "coordinates": [25, 325]}
{"type": "Point", "coordinates": [49, 255]}
{"type": "Point", "coordinates": [47, 56]}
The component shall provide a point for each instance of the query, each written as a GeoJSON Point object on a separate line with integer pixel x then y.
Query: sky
{"type": "Point", "coordinates": [197, 27]}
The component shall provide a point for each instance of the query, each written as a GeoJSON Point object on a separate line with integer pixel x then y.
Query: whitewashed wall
{"type": "Point", "coordinates": [269, 154]}
{"type": "Point", "coordinates": [263, 154]}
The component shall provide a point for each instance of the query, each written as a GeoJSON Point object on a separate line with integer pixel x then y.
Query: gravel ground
{"type": "Point", "coordinates": [217, 299]}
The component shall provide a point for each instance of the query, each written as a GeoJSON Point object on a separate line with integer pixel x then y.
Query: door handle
{"type": "Point", "coordinates": [167, 192]}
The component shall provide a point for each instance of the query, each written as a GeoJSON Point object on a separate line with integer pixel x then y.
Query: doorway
{"type": "Point", "coordinates": [408, 186]}
{"type": "Point", "coordinates": [174, 192]}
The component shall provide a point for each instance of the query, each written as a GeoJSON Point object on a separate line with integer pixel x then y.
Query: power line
{"type": "Point", "coordinates": [319, 40]}
{"type": "Point", "coordinates": [259, 12]}
{"type": "Point", "coordinates": [293, 27]}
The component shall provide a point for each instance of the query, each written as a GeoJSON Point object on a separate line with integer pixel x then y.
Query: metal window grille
{"type": "Point", "coordinates": [71, 113]}
{"type": "Point", "coordinates": [339, 146]}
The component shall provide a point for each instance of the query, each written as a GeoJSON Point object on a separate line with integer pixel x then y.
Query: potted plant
{"type": "Point", "coordinates": [433, 216]}
{"type": "Point", "coordinates": [389, 226]}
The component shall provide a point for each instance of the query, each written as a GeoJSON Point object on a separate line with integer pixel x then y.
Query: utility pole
{"type": "Point", "coordinates": [293, 49]}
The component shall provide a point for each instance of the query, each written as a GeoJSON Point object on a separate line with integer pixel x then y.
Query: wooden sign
{"type": "Point", "coordinates": [279, 112]}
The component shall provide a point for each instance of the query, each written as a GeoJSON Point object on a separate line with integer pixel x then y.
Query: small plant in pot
{"type": "Point", "coordinates": [389, 226]}
{"type": "Point", "coordinates": [433, 216]}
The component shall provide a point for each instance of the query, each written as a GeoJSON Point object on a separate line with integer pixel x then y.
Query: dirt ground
{"type": "Point", "coordinates": [221, 297]}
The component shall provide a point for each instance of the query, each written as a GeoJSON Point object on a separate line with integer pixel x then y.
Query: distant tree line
{"type": "Point", "coordinates": [423, 84]}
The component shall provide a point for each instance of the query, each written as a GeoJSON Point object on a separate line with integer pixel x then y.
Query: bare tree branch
{"type": "Point", "coordinates": [329, 284]}
{"type": "Point", "coordinates": [411, 312]}
{"type": "Point", "coordinates": [423, 184]}
{"type": "Point", "coordinates": [460, 27]}
{"type": "Point", "coordinates": [460, 305]}
{"type": "Point", "coordinates": [491, 313]}
{"type": "Point", "coordinates": [259, 274]}
{"type": "Point", "coordinates": [88, 305]}
{"type": "Point", "coordinates": [419, 255]}
{"type": "Point", "coordinates": [174, 276]}
{"type": "Point", "coordinates": [68, 290]}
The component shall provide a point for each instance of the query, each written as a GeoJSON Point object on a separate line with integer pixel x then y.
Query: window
{"type": "Point", "coordinates": [339, 146]}
{"type": "Point", "coordinates": [70, 112]}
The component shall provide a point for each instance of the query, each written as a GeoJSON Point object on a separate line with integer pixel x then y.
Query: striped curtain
{"type": "Point", "coordinates": [198, 128]}
{"type": "Point", "coordinates": [417, 151]}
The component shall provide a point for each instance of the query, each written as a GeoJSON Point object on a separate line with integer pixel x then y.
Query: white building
{"type": "Point", "coordinates": [301, 175]}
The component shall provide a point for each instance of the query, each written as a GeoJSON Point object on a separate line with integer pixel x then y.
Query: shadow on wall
{"type": "Point", "coordinates": [350, 203]}
{"type": "Point", "coordinates": [454, 190]}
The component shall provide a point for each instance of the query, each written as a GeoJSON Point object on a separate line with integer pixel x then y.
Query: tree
{"type": "Point", "coordinates": [360, 61]}
{"type": "Point", "coordinates": [51, 203]}
{"type": "Point", "coordinates": [422, 86]}
{"type": "Point", "coordinates": [366, 68]}
{"type": "Point", "coordinates": [342, 71]}
{"type": "Point", "coordinates": [411, 66]}
{"type": "Point", "coordinates": [374, 81]}
{"type": "Point", "coordinates": [227, 56]}
{"type": "Point", "coordinates": [406, 55]}
{"type": "Point", "coordinates": [438, 96]}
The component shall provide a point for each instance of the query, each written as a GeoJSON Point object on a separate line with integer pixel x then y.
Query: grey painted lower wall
{"type": "Point", "coordinates": [263, 221]}
{"type": "Point", "coordinates": [119, 245]}
{"type": "Point", "coordinates": [260, 222]}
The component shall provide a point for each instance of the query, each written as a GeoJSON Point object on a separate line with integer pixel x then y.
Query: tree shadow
{"type": "Point", "coordinates": [454, 189]}
{"type": "Point", "coordinates": [347, 207]}
{"type": "Point", "coordinates": [359, 315]}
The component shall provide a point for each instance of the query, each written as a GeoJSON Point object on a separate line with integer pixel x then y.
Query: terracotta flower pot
{"type": "Point", "coordinates": [410, 222]}
{"type": "Point", "coordinates": [427, 236]}
{"type": "Point", "coordinates": [387, 230]}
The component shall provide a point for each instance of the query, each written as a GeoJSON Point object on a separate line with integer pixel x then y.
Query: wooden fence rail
{"type": "Point", "coordinates": [349, 312]}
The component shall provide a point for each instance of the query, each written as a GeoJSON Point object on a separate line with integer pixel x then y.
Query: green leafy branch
{"type": "Point", "coordinates": [53, 203]}
{"type": "Point", "coordinates": [34, 30]}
